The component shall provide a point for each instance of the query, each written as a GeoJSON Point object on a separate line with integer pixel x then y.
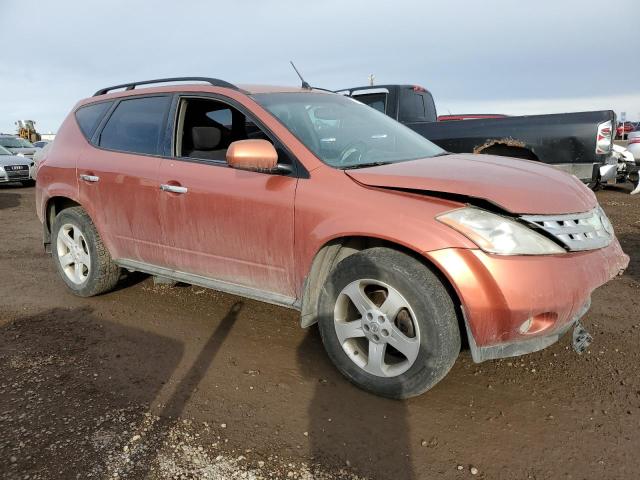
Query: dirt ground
{"type": "Point", "coordinates": [181, 382]}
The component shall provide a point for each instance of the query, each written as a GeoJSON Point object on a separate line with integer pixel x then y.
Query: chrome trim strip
{"type": "Point", "coordinates": [558, 218]}
{"type": "Point", "coordinates": [368, 91]}
{"type": "Point", "coordinates": [173, 188]}
{"type": "Point", "coordinates": [577, 231]}
{"type": "Point", "coordinates": [89, 178]}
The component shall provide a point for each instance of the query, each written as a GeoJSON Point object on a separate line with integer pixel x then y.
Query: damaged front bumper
{"type": "Point", "coordinates": [522, 347]}
{"type": "Point", "coordinates": [513, 305]}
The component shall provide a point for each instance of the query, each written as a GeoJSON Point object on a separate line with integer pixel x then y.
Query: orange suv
{"type": "Point", "coordinates": [314, 201]}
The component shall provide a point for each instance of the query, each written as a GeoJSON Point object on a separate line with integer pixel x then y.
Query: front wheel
{"type": "Point", "coordinates": [388, 323]}
{"type": "Point", "coordinates": [82, 260]}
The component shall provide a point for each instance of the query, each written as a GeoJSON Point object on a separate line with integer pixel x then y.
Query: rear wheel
{"type": "Point", "coordinates": [81, 258]}
{"type": "Point", "coordinates": [388, 323]}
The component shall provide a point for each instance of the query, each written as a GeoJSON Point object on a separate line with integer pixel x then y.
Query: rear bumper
{"type": "Point", "coordinates": [520, 304]}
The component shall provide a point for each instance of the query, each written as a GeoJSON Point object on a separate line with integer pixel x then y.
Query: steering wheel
{"type": "Point", "coordinates": [353, 153]}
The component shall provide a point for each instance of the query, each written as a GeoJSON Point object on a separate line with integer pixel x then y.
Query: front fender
{"type": "Point", "coordinates": [348, 209]}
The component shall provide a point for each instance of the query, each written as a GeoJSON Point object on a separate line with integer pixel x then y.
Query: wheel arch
{"type": "Point", "coordinates": [337, 249]}
{"type": "Point", "coordinates": [53, 207]}
{"type": "Point", "coordinates": [507, 148]}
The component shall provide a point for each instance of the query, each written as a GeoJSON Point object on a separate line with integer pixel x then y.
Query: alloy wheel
{"type": "Point", "coordinates": [376, 328]}
{"type": "Point", "coordinates": [73, 253]}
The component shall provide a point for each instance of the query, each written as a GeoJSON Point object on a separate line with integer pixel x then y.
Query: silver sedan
{"type": "Point", "coordinates": [14, 168]}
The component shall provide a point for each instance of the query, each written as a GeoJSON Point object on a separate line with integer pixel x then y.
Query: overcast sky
{"type": "Point", "coordinates": [492, 56]}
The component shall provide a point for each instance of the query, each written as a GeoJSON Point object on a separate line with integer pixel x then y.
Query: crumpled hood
{"type": "Point", "coordinates": [518, 186]}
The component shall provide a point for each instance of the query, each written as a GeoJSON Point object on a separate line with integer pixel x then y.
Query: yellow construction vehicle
{"type": "Point", "coordinates": [27, 130]}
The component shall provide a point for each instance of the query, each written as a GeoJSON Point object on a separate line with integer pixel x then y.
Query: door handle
{"type": "Point", "coordinates": [173, 188]}
{"type": "Point", "coordinates": [89, 178]}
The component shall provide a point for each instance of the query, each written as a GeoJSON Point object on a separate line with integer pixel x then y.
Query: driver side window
{"type": "Point", "coordinates": [206, 128]}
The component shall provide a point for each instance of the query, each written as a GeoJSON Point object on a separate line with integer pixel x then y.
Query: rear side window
{"type": "Point", "coordinates": [89, 117]}
{"type": "Point", "coordinates": [136, 125]}
{"type": "Point", "coordinates": [412, 108]}
{"type": "Point", "coordinates": [429, 108]}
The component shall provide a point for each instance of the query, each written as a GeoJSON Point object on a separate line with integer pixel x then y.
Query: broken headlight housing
{"type": "Point", "coordinates": [497, 234]}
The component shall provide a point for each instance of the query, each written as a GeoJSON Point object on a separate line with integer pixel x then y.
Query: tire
{"type": "Point", "coordinates": [28, 183]}
{"type": "Point", "coordinates": [87, 268]}
{"type": "Point", "coordinates": [594, 186]}
{"type": "Point", "coordinates": [426, 328]}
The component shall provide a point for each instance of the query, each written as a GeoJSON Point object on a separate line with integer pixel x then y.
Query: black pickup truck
{"type": "Point", "coordinates": [578, 143]}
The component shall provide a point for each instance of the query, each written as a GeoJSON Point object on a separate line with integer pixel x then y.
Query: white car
{"type": "Point", "coordinates": [41, 143]}
{"type": "Point", "coordinates": [634, 145]}
{"type": "Point", "coordinates": [17, 146]}
{"type": "Point", "coordinates": [14, 168]}
{"type": "Point", "coordinates": [22, 148]}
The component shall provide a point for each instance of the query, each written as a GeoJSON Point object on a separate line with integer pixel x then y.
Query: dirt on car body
{"type": "Point", "coordinates": [158, 382]}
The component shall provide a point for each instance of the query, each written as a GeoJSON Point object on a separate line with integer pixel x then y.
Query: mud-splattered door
{"type": "Point", "coordinates": [230, 225]}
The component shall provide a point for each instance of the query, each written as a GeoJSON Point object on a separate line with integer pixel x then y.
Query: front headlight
{"type": "Point", "coordinates": [20, 154]}
{"type": "Point", "coordinates": [497, 234]}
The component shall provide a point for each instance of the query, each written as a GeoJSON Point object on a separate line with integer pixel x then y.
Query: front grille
{"type": "Point", "coordinates": [17, 172]}
{"type": "Point", "coordinates": [576, 231]}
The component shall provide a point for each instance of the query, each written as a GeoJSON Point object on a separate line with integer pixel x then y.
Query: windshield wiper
{"type": "Point", "coordinates": [364, 165]}
{"type": "Point", "coordinates": [441, 154]}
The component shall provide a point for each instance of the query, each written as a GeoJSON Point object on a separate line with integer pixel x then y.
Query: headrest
{"type": "Point", "coordinates": [205, 138]}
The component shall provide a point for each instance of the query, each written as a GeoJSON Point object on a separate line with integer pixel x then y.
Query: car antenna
{"type": "Point", "coordinates": [305, 85]}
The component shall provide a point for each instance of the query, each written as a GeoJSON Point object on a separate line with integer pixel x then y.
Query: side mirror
{"type": "Point", "coordinates": [255, 155]}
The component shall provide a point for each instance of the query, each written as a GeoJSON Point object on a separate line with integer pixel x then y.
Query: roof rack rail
{"type": "Point", "coordinates": [130, 86]}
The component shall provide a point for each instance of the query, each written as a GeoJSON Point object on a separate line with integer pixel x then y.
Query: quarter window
{"type": "Point", "coordinates": [89, 117]}
{"type": "Point", "coordinates": [223, 116]}
{"type": "Point", "coordinates": [136, 125]}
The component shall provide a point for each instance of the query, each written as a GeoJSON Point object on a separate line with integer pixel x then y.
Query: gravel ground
{"type": "Point", "coordinates": [160, 382]}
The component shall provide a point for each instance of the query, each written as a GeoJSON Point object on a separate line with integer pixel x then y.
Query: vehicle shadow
{"type": "Point", "coordinates": [72, 385]}
{"type": "Point", "coordinates": [9, 200]}
{"type": "Point", "coordinates": [127, 280]}
{"type": "Point", "coordinates": [350, 427]}
{"type": "Point", "coordinates": [175, 405]}
{"type": "Point", "coordinates": [70, 371]}
{"type": "Point", "coordinates": [630, 243]}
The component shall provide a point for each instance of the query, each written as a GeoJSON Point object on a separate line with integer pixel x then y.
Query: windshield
{"type": "Point", "coordinates": [15, 142]}
{"type": "Point", "coordinates": [345, 133]}
{"type": "Point", "coordinates": [4, 151]}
